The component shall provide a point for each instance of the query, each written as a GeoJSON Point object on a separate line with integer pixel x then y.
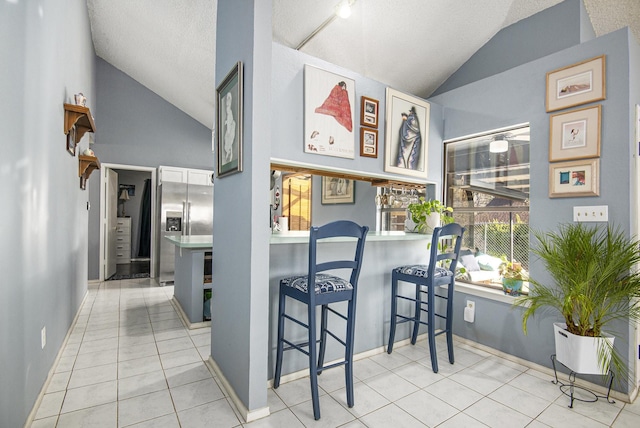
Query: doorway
{"type": "Point", "coordinates": [127, 222]}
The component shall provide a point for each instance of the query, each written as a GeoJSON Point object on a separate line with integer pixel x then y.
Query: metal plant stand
{"type": "Point", "coordinates": [569, 389]}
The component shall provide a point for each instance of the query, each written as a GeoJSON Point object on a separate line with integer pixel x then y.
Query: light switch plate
{"type": "Point", "coordinates": [591, 213]}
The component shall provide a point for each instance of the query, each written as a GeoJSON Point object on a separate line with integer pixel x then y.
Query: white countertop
{"type": "Point", "coordinates": [192, 241]}
{"type": "Point", "coordinates": [302, 237]}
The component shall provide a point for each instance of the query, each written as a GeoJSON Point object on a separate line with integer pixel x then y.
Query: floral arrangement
{"type": "Point", "coordinates": [512, 270]}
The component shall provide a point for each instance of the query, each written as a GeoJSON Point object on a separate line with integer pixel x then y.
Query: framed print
{"type": "Point", "coordinates": [574, 178]}
{"type": "Point", "coordinates": [71, 141]}
{"type": "Point", "coordinates": [229, 122]}
{"type": "Point", "coordinates": [575, 134]}
{"type": "Point", "coordinates": [338, 191]}
{"type": "Point", "coordinates": [369, 112]}
{"type": "Point", "coordinates": [368, 142]}
{"type": "Point", "coordinates": [638, 127]}
{"type": "Point", "coordinates": [576, 84]}
{"type": "Point", "coordinates": [328, 113]}
{"type": "Point", "coordinates": [406, 134]}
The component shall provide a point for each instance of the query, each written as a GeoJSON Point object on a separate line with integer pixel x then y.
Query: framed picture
{"type": "Point", "coordinates": [369, 112]}
{"type": "Point", "coordinates": [638, 127]}
{"type": "Point", "coordinates": [229, 122]}
{"type": "Point", "coordinates": [328, 113]}
{"type": "Point", "coordinates": [575, 134]}
{"type": "Point", "coordinates": [338, 191]}
{"type": "Point", "coordinates": [71, 141]}
{"type": "Point", "coordinates": [368, 142]}
{"type": "Point", "coordinates": [406, 134]}
{"type": "Point", "coordinates": [576, 84]}
{"type": "Point", "coordinates": [574, 178]}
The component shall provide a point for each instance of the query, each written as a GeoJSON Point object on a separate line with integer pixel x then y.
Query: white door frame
{"type": "Point", "coordinates": [103, 195]}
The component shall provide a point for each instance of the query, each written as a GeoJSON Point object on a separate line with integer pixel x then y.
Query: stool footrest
{"type": "Point", "coordinates": [296, 321]}
{"type": "Point", "coordinates": [296, 346]}
{"type": "Point", "coordinates": [330, 366]}
{"type": "Point", "coordinates": [336, 338]}
{"type": "Point", "coordinates": [337, 313]}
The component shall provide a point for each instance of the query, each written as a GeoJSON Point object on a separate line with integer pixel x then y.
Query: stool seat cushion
{"type": "Point", "coordinates": [423, 271]}
{"type": "Point", "coordinates": [324, 283]}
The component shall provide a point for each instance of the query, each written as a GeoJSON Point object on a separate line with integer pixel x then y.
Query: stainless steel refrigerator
{"type": "Point", "coordinates": [186, 208]}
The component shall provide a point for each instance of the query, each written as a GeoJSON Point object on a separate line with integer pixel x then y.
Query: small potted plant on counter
{"type": "Point", "coordinates": [426, 215]}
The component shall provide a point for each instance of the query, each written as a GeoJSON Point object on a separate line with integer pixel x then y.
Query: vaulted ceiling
{"type": "Point", "coordinates": [412, 45]}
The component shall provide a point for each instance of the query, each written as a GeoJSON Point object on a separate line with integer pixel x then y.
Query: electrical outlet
{"type": "Point", "coordinates": [43, 337]}
{"type": "Point", "coordinates": [591, 213]}
{"type": "Point", "coordinates": [470, 311]}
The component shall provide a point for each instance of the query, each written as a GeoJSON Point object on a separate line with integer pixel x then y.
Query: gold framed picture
{"type": "Point", "coordinates": [368, 142]}
{"type": "Point", "coordinates": [575, 134]}
{"type": "Point", "coordinates": [574, 178]}
{"type": "Point", "coordinates": [369, 112]}
{"type": "Point", "coordinates": [576, 84]}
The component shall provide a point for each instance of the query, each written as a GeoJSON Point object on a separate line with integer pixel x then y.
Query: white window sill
{"type": "Point", "coordinates": [485, 292]}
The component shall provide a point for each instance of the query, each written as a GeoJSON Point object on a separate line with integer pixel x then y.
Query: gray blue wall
{"type": "Point", "coordinates": [517, 96]}
{"type": "Point", "coordinates": [551, 30]}
{"type": "Point", "coordinates": [240, 301]}
{"type": "Point", "coordinates": [137, 127]}
{"type": "Point", "coordinates": [47, 56]}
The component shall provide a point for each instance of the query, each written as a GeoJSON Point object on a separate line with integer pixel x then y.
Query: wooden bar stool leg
{"type": "Point", "coordinates": [276, 377]}
{"type": "Point", "coordinates": [323, 337]}
{"type": "Point", "coordinates": [348, 357]}
{"type": "Point", "coordinates": [394, 308]}
{"type": "Point", "coordinates": [450, 323]}
{"type": "Point", "coordinates": [313, 368]}
{"type": "Point", "coordinates": [417, 315]}
{"type": "Point", "coordinates": [431, 328]}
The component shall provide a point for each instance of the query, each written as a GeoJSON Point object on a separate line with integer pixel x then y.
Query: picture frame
{"type": "Point", "coordinates": [369, 112]}
{"type": "Point", "coordinates": [574, 178]}
{"type": "Point", "coordinates": [638, 127]}
{"type": "Point", "coordinates": [71, 141]}
{"type": "Point", "coordinates": [576, 84]}
{"type": "Point", "coordinates": [368, 142]}
{"type": "Point", "coordinates": [329, 101]}
{"type": "Point", "coordinates": [409, 115]}
{"type": "Point", "coordinates": [575, 134]}
{"type": "Point", "coordinates": [336, 190]}
{"type": "Point", "coordinates": [229, 117]}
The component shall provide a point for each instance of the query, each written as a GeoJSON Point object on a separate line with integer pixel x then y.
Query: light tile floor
{"type": "Point", "coordinates": [130, 362]}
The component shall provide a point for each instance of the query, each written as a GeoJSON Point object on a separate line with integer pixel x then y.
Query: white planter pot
{"type": "Point", "coordinates": [433, 221]}
{"type": "Point", "coordinates": [579, 353]}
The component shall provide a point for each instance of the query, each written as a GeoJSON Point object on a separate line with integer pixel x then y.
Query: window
{"type": "Point", "coordinates": [296, 200]}
{"type": "Point", "coordinates": [487, 184]}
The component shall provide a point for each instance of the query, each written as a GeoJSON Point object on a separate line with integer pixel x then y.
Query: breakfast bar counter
{"type": "Point", "coordinates": [383, 251]}
{"type": "Point", "coordinates": [189, 282]}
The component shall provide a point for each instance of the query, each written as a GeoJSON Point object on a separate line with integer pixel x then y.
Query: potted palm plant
{"type": "Point", "coordinates": [426, 215]}
{"type": "Point", "coordinates": [594, 282]}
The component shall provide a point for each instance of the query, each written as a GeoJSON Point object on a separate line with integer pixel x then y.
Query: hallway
{"type": "Point", "coordinates": [129, 361]}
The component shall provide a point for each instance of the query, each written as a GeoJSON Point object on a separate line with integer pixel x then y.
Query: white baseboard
{"type": "Point", "coordinates": [246, 414]}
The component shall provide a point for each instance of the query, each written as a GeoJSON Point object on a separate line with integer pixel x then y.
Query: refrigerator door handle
{"type": "Point", "coordinates": [184, 218]}
{"type": "Point", "coordinates": [189, 217]}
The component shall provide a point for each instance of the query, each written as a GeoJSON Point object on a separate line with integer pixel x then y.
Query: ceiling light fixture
{"type": "Point", "coordinates": [342, 10]}
{"type": "Point", "coordinates": [499, 144]}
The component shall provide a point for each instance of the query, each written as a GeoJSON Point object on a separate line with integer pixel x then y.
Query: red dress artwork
{"type": "Point", "coordinates": [337, 105]}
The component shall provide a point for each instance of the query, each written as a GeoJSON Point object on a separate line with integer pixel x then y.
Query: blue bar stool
{"type": "Point", "coordinates": [327, 289]}
{"type": "Point", "coordinates": [439, 272]}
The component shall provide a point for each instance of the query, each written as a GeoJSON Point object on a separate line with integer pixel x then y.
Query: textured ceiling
{"type": "Point", "coordinates": [412, 45]}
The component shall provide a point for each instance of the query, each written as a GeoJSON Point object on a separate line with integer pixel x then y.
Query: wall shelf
{"type": "Point", "coordinates": [80, 117]}
{"type": "Point", "coordinates": [87, 164]}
